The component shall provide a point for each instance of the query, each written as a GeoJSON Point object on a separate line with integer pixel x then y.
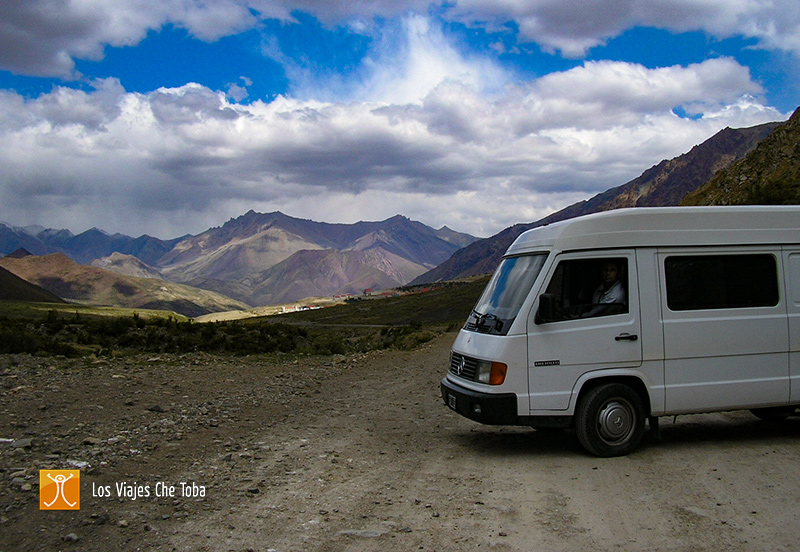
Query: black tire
{"type": "Point", "coordinates": [609, 420]}
{"type": "Point", "coordinates": [774, 413]}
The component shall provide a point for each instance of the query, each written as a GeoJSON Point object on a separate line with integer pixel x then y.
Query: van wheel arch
{"type": "Point", "coordinates": [631, 381]}
{"type": "Point", "coordinates": [610, 416]}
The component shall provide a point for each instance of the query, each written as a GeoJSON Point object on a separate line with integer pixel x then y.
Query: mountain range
{"type": "Point", "coordinates": [258, 259]}
{"type": "Point", "coordinates": [84, 247]}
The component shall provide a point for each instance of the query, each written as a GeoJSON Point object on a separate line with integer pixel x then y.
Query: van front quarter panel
{"type": "Point", "coordinates": [510, 396]}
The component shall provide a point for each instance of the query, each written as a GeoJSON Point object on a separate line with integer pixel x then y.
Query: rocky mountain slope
{"type": "Point", "coordinates": [769, 175]}
{"type": "Point", "coordinates": [85, 284]}
{"type": "Point", "coordinates": [662, 185]}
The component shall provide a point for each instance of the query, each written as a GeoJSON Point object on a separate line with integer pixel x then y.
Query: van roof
{"type": "Point", "coordinates": [666, 226]}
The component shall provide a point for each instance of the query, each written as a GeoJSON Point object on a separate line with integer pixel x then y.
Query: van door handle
{"type": "Point", "coordinates": [626, 337]}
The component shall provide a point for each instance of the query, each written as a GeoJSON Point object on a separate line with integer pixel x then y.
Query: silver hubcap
{"type": "Point", "coordinates": [616, 421]}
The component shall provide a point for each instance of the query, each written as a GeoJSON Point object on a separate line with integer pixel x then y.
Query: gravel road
{"type": "Point", "coordinates": [359, 453]}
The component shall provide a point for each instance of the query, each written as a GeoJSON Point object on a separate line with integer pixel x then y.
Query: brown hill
{"type": "Point", "coordinates": [769, 175]}
{"type": "Point", "coordinates": [14, 288]}
{"type": "Point", "coordinates": [330, 272]}
{"type": "Point", "coordinates": [127, 265]}
{"type": "Point", "coordinates": [19, 253]}
{"type": "Point", "coordinates": [231, 257]}
{"type": "Point", "coordinates": [90, 285]}
{"type": "Point", "coordinates": [662, 185]}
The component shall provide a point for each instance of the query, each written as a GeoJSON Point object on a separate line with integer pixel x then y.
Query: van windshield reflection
{"type": "Point", "coordinates": [503, 297]}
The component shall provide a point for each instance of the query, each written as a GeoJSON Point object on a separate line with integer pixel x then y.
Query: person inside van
{"type": "Point", "coordinates": [610, 289]}
{"type": "Point", "coordinates": [609, 292]}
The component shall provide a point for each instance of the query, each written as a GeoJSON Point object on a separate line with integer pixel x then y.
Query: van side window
{"type": "Point", "coordinates": [585, 288]}
{"type": "Point", "coordinates": [721, 282]}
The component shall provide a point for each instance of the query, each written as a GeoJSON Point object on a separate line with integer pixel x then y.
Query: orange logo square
{"type": "Point", "coordinates": [59, 489]}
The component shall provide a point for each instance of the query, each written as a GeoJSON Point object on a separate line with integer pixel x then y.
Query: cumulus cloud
{"type": "Point", "coordinates": [409, 57]}
{"type": "Point", "coordinates": [627, 90]}
{"type": "Point", "coordinates": [573, 29]}
{"type": "Point", "coordinates": [408, 67]}
{"type": "Point", "coordinates": [188, 158]}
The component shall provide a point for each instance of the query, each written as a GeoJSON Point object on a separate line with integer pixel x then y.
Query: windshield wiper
{"type": "Point", "coordinates": [482, 318]}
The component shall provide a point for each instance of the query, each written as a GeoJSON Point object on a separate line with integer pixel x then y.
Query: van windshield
{"type": "Point", "coordinates": [503, 297]}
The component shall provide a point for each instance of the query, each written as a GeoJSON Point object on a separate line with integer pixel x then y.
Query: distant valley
{"type": "Point", "coordinates": [64, 278]}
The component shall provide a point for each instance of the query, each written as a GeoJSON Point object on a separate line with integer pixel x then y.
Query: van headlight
{"type": "Point", "coordinates": [493, 373]}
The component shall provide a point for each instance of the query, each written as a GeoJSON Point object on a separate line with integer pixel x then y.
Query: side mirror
{"type": "Point", "coordinates": [547, 308]}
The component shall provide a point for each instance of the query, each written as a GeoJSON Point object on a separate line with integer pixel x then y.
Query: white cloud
{"type": "Point", "coordinates": [573, 28]}
{"type": "Point", "coordinates": [409, 58]}
{"type": "Point", "coordinates": [182, 159]}
{"type": "Point", "coordinates": [627, 90]}
{"type": "Point", "coordinates": [407, 68]}
{"type": "Point", "coordinates": [420, 128]}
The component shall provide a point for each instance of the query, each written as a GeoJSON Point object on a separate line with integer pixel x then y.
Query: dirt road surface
{"type": "Point", "coordinates": [359, 453]}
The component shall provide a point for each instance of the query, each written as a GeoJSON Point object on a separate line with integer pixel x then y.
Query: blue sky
{"type": "Point", "coordinates": [172, 116]}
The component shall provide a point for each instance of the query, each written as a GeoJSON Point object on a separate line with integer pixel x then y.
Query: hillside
{"type": "Point", "coordinates": [84, 284]}
{"type": "Point", "coordinates": [330, 272]}
{"type": "Point", "coordinates": [662, 185]}
{"type": "Point", "coordinates": [769, 175]}
{"type": "Point", "coordinates": [14, 288]}
{"type": "Point", "coordinates": [126, 265]}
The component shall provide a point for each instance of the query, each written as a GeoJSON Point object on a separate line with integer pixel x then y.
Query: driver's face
{"type": "Point", "coordinates": [609, 273]}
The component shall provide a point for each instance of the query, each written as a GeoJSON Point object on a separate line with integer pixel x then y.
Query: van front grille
{"type": "Point", "coordinates": [463, 366]}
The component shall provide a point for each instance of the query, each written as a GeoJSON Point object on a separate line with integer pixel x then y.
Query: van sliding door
{"type": "Point", "coordinates": [725, 330]}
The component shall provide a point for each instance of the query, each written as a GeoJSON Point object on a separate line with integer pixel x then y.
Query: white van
{"type": "Point", "coordinates": [603, 321]}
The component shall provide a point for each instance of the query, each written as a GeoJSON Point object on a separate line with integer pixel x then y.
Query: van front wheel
{"type": "Point", "coordinates": [610, 420]}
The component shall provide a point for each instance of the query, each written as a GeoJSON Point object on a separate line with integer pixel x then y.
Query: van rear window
{"type": "Point", "coordinates": [721, 281]}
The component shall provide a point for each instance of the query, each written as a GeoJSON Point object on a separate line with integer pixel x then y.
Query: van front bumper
{"type": "Point", "coordinates": [486, 408]}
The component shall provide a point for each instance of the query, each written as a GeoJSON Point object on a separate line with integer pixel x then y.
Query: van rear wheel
{"type": "Point", "coordinates": [774, 413]}
{"type": "Point", "coordinates": [610, 420]}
